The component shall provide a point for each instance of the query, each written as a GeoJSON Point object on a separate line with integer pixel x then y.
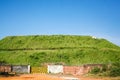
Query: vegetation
{"type": "Point", "coordinates": [112, 70]}
{"type": "Point", "coordinates": [115, 69]}
{"type": "Point", "coordinates": [53, 42]}
{"type": "Point", "coordinates": [95, 70]}
{"type": "Point", "coordinates": [69, 49]}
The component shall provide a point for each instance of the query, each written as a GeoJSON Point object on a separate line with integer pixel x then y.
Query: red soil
{"type": "Point", "coordinates": [50, 77]}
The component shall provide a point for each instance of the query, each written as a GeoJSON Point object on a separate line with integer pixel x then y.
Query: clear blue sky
{"type": "Point", "coordinates": [100, 18]}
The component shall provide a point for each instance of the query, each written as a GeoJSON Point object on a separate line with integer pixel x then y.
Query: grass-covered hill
{"type": "Point", "coordinates": [70, 49]}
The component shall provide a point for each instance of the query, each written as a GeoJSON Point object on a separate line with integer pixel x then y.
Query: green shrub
{"type": "Point", "coordinates": [104, 68]}
{"type": "Point", "coordinates": [114, 71]}
{"type": "Point", "coordinates": [95, 70]}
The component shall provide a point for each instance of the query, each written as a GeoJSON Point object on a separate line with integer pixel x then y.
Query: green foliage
{"type": "Point", "coordinates": [104, 68]}
{"type": "Point", "coordinates": [3, 62]}
{"type": "Point", "coordinates": [115, 69]}
{"type": "Point", "coordinates": [95, 70]}
{"type": "Point", "coordinates": [69, 49]}
{"type": "Point", "coordinates": [112, 70]}
{"type": "Point", "coordinates": [53, 41]}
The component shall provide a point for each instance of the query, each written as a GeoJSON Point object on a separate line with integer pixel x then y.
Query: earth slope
{"type": "Point", "coordinates": [67, 49]}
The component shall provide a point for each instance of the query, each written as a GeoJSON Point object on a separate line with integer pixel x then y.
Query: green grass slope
{"type": "Point", "coordinates": [70, 49]}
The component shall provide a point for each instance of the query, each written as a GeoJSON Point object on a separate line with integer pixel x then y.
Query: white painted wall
{"type": "Point", "coordinates": [55, 68]}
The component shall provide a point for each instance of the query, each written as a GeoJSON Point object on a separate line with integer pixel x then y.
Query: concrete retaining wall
{"type": "Point", "coordinates": [21, 68]}
{"type": "Point", "coordinates": [55, 68]}
{"type": "Point", "coordinates": [79, 70]}
{"type": "Point", "coordinates": [74, 70]}
{"type": "Point", "coordinates": [39, 70]}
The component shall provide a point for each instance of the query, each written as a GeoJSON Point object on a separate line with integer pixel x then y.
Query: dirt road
{"type": "Point", "coordinates": [32, 77]}
{"type": "Point", "coordinates": [50, 77]}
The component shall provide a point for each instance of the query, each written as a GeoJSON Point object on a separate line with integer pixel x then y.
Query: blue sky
{"type": "Point", "coordinates": [100, 18]}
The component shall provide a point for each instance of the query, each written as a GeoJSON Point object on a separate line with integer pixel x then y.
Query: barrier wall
{"type": "Point", "coordinates": [79, 70]}
{"type": "Point", "coordinates": [74, 70]}
{"type": "Point", "coordinates": [21, 68]}
{"type": "Point", "coordinates": [38, 69]}
{"type": "Point", "coordinates": [55, 68]}
{"type": "Point", "coordinates": [5, 68]}
{"type": "Point", "coordinates": [89, 67]}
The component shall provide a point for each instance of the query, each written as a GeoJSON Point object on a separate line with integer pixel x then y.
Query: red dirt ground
{"type": "Point", "coordinates": [50, 77]}
{"type": "Point", "coordinates": [32, 77]}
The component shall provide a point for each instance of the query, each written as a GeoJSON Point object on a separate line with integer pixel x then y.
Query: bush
{"type": "Point", "coordinates": [95, 70]}
{"type": "Point", "coordinates": [104, 68]}
{"type": "Point", "coordinates": [115, 70]}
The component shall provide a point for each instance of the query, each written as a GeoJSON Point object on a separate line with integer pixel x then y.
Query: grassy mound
{"type": "Point", "coordinates": [69, 49]}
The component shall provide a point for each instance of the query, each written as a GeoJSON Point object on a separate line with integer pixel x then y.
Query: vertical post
{"type": "Point", "coordinates": [28, 68]}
